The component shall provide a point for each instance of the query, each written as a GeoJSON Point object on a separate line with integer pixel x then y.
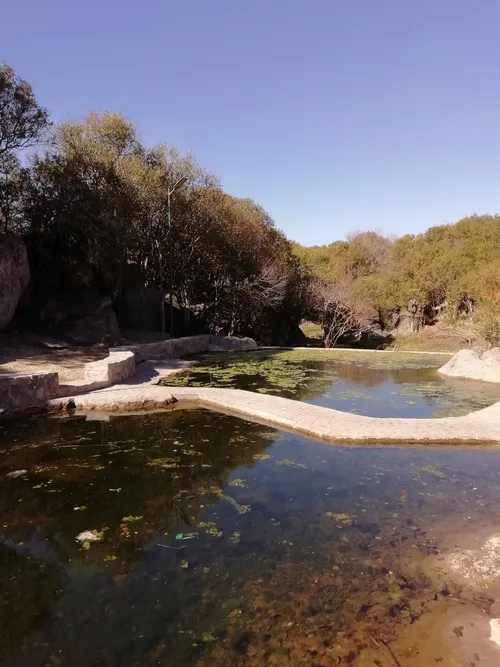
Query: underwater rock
{"type": "Point", "coordinates": [88, 536]}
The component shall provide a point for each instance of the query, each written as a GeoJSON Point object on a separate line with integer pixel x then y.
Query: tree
{"type": "Point", "coordinates": [341, 311]}
{"type": "Point", "coordinates": [22, 123]}
{"type": "Point", "coordinates": [22, 119]}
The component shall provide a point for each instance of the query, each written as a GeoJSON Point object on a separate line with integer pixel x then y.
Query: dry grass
{"type": "Point", "coordinates": [441, 337]}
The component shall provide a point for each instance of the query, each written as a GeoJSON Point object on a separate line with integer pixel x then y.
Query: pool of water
{"type": "Point", "coordinates": [371, 384]}
{"type": "Point", "coordinates": [208, 540]}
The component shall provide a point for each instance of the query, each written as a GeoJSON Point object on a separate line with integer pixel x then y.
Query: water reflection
{"type": "Point", "coordinates": [217, 540]}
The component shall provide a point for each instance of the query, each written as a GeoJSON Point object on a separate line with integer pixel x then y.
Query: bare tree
{"type": "Point", "coordinates": [342, 312]}
{"type": "Point", "coordinates": [269, 287]}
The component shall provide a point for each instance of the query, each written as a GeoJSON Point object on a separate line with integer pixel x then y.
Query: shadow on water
{"type": "Point", "coordinates": [375, 385]}
{"type": "Point", "coordinates": [214, 541]}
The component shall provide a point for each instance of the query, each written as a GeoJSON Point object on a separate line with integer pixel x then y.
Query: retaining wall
{"type": "Point", "coordinates": [116, 367]}
{"type": "Point", "coordinates": [183, 347]}
{"type": "Point", "coordinates": [19, 391]}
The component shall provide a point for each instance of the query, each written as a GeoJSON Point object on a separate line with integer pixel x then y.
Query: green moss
{"type": "Point", "coordinates": [433, 471]}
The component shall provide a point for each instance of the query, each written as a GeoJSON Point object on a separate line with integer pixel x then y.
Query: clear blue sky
{"type": "Point", "coordinates": [335, 115]}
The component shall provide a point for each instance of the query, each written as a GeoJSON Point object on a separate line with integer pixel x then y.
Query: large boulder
{"type": "Point", "coordinates": [140, 308]}
{"type": "Point", "coordinates": [403, 322]}
{"type": "Point", "coordinates": [14, 276]}
{"type": "Point", "coordinates": [85, 316]}
{"type": "Point", "coordinates": [74, 304]}
{"type": "Point", "coordinates": [101, 327]}
{"type": "Point", "coordinates": [470, 365]}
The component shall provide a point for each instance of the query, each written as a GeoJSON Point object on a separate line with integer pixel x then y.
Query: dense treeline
{"type": "Point", "coordinates": [93, 200]}
{"type": "Point", "coordinates": [91, 203]}
{"type": "Point", "coordinates": [450, 271]}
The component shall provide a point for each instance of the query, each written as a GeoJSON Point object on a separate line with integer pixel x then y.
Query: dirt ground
{"type": "Point", "coordinates": [25, 353]}
{"type": "Point", "coordinates": [25, 357]}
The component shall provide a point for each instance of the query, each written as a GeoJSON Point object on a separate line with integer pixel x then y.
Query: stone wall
{"type": "Point", "coordinates": [182, 347]}
{"type": "Point", "coordinates": [19, 391]}
{"type": "Point", "coordinates": [116, 367]}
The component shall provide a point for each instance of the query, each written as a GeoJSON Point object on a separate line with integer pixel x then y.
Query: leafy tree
{"type": "Point", "coordinates": [22, 119]}
{"type": "Point", "coordinates": [22, 123]}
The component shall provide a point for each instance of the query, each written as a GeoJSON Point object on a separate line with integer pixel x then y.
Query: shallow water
{"type": "Point", "coordinates": [217, 541]}
{"type": "Point", "coordinates": [371, 384]}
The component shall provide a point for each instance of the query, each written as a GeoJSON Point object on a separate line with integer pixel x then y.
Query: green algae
{"type": "Point", "coordinates": [393, 384]}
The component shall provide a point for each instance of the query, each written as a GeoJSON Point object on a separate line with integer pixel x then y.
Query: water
{"type": "Point", "coordinates": [375, 385]}
{"type": "Point", "coordinates": [216, 541]}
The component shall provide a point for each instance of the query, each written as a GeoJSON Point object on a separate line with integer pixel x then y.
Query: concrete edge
{"type": "Point", "coordinates": [28, 391]}
{"type": "Point", "coordinates": [481, 428]}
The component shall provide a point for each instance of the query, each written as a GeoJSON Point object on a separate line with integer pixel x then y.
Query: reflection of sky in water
{"type": "Point", "coordinates": [438, 398]}
{"type": "Point", "coordinates": [180, 571]}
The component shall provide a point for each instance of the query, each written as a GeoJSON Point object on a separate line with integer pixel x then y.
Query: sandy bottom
{"type": "Point", "coordinates": [463, 628]}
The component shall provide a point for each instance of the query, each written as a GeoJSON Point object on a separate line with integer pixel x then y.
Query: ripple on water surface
{"type": "Point", "coordinates": [194, 538]}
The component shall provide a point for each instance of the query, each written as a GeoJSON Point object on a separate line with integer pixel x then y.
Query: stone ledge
{"type": "Point", "coordinates": [23, 391]}
{"type": "Point", "coordinates": [182, 347]}
{"type": "Point", "coordinates": [116, 367]}
{"type": "Point", "coordinates": [19, 391]}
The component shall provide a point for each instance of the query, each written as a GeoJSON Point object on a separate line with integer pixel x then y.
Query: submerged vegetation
{"type": "Point", "coordinates": [241, 554]}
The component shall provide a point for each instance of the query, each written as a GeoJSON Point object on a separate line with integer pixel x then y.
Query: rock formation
{"type": "Point", "coordinates": [14, 276]}
{"type": "Point", "coordinates": [470, 365]}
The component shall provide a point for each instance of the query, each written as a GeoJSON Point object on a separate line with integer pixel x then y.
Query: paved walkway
{"type": "Point", "coordinates": [142, 393]}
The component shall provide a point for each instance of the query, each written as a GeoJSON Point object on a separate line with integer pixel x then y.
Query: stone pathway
{"type": "Point", "coordinates": [142, 393]}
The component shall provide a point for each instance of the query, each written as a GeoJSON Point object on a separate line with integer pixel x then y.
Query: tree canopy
{"type": "Point", "coordinates": [451, 268]}
{"type": "Point", "coordinates": [94, 196]}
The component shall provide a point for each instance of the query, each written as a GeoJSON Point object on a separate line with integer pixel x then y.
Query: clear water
{"type": "Point", "coordinates": [219, 542]}
{"type": "Point", "coordinates": [375, 385]}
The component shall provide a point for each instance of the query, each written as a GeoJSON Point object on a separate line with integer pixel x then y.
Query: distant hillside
{"type": "Point", "coordinates": [451, 270]}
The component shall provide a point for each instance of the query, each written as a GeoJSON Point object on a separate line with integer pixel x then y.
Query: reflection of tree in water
{"type": "Point", "coordinates": [367, 376]}
{"type": "Point", "coordinates": [150, 466]}
{"type": "Point", "coordinates": [160, 471]}
{"type": "Point", "coordinates": [30, 587]}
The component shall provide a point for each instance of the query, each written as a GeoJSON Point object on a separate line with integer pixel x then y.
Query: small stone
{"type": "Point", "coordinates": [16, 473]}
{"type": "Point", "coordinates": [87, 536]}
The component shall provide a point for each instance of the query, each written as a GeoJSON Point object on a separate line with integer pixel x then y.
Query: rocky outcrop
{"type": "Point", "coordinates": [14, 276]}
{"type": "Point", "coordinates": [96, 328]}
{"type": "Point", "coordinates": [85, 316]}
{"type": "Point", "coordinates": [275, 328]}
{"type": "Point", "coordinates": [469, 365]}
{"type": "Point", "coordinates": [140, 308]}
